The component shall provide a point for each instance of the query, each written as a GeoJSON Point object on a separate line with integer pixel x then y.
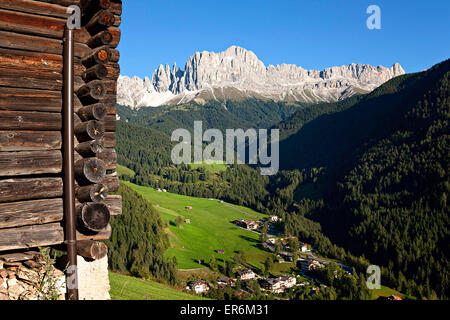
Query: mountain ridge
{"type": "Point", "coordinates": [237, 74]}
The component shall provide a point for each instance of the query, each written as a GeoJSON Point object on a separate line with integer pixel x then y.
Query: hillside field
{"type": "Point", "coordinates": [210, 229]}
{"type": "Point", "coordinates": [129, 288]}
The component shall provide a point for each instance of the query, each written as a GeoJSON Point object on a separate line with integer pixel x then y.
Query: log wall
{"type": "Point", "coordinates": [31, 102]}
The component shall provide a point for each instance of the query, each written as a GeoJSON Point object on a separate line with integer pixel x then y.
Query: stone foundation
{"type": "Point", "coordinates": [29, 281]}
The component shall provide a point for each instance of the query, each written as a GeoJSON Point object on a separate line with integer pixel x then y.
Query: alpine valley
{"type": "Point", "coordinates": [363, 180]}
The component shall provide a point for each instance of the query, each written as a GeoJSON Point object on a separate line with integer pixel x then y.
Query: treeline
{"type": "Point", "coordinates": [222, 115]}
{"type": "Point", "coordinates": [140, 148]}
{"type": "Point", "coordinates": [138, 241]}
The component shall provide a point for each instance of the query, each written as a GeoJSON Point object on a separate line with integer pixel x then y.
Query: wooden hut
{"type": "Point", "coordinates": [31, 124]}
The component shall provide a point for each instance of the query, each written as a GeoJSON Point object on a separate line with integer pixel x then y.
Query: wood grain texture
{"type": "Point", "coordinates": [30, 140]}
{"type": "Point", "coordinates": [42, 235]}
{"type": "Point", "coordinates": [18, 189]}
{"type": "Point", "coordinates": [30, 163]}
{"type": "Point", "coordinates": [33, 212]}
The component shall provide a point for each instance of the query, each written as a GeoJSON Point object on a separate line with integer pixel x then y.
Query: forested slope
{"type": "Point", "coordinates": [139, 241]}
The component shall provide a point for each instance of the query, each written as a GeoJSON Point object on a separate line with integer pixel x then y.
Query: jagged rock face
{"type": "Point", "coordinates": [238, 73]}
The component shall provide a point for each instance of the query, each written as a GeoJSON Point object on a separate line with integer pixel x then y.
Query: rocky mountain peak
{"type": "Point", "coordinates": [237, 73]}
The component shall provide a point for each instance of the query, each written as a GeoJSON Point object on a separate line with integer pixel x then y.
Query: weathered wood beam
{"type": "Point", "coordinates": [65, 3]}
{"type": "Point", "coordinates": [30, 162]}
{"type": "Point", "coordinates": [38, 25]}
{"type": "Point", "coordinates": [18, 189]}
{"type": "Point", "coordinates": [29, 120]}
{"type": "Point", "coordinates": [26, 60]}
{"type": "Point", "coordinates": [109, 140]}
{"type": "Point", "coordinates": [33, 212]}
{"type": "Point", "coordinates": [35, 7]}
{"type": "Point", "coordinates": [109, 157]}
{"type": "Point", "coordinates": [15, 40]}
{"type": "Point", "coordinates": [41, 235]}
{"type": "Point", "coordinates": [116, 8]}
{"type": "Point", "coordinates": [30, 140]}
{"type": "Point", "coordinates": [92, 217]}
{"type": "Point", "coordinates": [89, 170]}
{"type": "Point", "coordinates": [101, 20]}
{"type": "Point", "coordinates": [92, 249]}
{"type": "Point", "coordinates": [91, 92]}
{"type": "Point", "coordinates": [33, 100]}
{"type": "Point", "coordinates": [92, 193]}
{"type": "Point", "coordinates": [89, 130]}
{"type": "Point", "coordinates": [92, 112]}
{"type": "Point", "coordinates": [112, 182]}
{"type": "Point", "coordinates": [114, 204]}
{"type": "Point", "coordinates": [34, 79]}
{"type": "Point", "coordinates": [109, 123]}
{"type": "Point", "coordinates": [90, 148]}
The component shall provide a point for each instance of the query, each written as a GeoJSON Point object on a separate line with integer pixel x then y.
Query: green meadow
{"type": "Point", "coordinates": [210, 229]}
{"type": "Point", "coordinates": [129, 288]}
{"type": "Point", "coordinates": [124, 171]}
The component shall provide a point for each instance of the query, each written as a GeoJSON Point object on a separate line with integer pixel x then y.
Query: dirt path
{"type": "Point", "coordinates": [234, 208]}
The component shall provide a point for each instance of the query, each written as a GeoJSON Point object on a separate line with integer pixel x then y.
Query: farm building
{"type": "Point", "coordinates": [246, 224]}
{"type": "Point", "coordinates": [305, 247]}
{"type": "Point", "coordinates": [224, 281]}
{"type": "Point", "coordinates": [199, 286]}
{"type": "Point", "coordinates": [246, 275]}
{"type": "Point", "coordinates": [58, 82]}
{"type": "Point", "coordinates": [274, 218]}
{"type": "Point", "coordinates": [278, 284]}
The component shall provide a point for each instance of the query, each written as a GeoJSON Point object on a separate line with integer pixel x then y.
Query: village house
{"type": "Point", "coordinates": [274, 218]}
{"type": "Point", "coordinates": [278, 284]}
{"type": "Point", "coordinates": [224, 281]}
{"type": "Point", "coordinates": [246, 224]}
{"type": "Point", "coordinates": [305, 247]}
{"type": "Point", "coordinates": [246, 275]}
{"type": "Point", "coordinates": [188, 208]}
{"type": "Point", "coordinates": [199, 286]}
{"type": "Point", "coordinates": [187, 221]}
{"type": "Point", "coordinates": [287, 256]}
{"type": "Point", "coordinates": [220, 251]}
{"type": "Point", "coordinates": [310, 264]}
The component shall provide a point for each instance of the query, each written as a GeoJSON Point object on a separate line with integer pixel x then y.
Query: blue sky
{"type": "Point", "coordinates": [314, 34]}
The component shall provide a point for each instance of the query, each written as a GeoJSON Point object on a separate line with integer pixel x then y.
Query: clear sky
{"type": "Point", "coordinates": [314, 34]}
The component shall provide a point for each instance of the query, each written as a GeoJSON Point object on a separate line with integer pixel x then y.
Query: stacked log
{"type": "Point", "coordinates": [31, 82]}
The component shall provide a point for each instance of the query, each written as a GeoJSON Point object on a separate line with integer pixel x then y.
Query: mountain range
{"type": "Point", "coordinates": [237, 74]}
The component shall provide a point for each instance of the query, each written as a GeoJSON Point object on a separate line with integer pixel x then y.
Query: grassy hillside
{"type": "Point", "coordinates": [129, 288]}
{"type": "Point", "coordinates": [210, 228]}
{"type": "Point", "coordinates": [124, 172]}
